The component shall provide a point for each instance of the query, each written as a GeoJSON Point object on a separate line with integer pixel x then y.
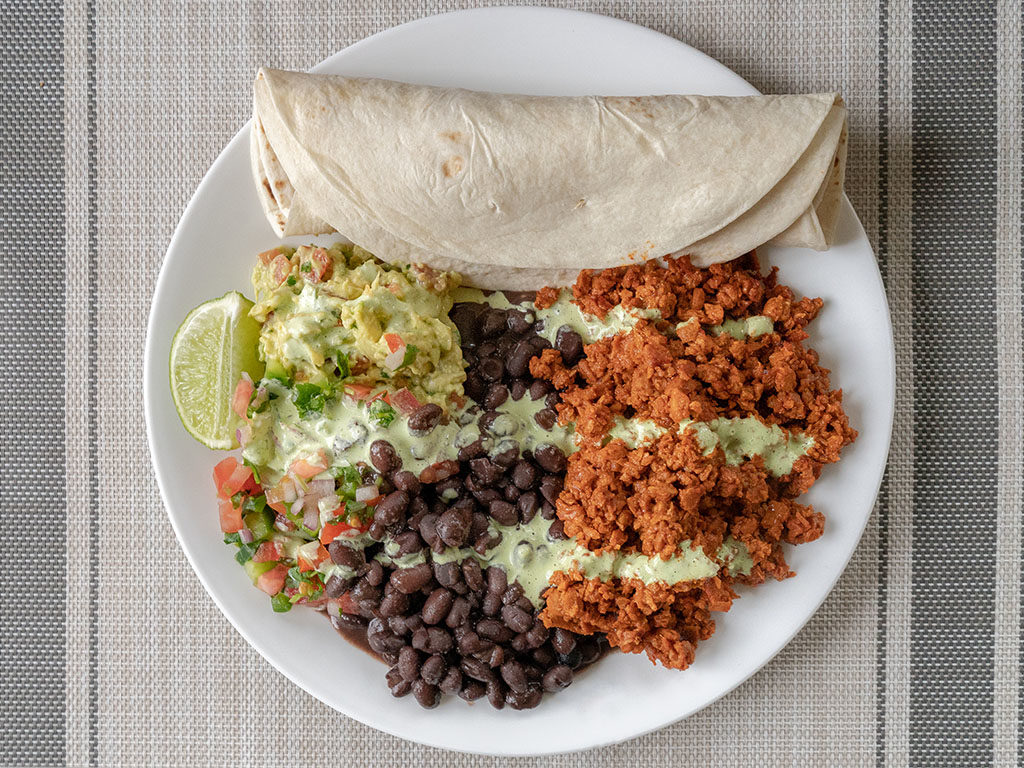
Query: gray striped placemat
{"type": "Point", "coordinates": [110, 651]}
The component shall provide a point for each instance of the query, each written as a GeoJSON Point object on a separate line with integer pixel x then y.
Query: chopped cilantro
{"type": "Point", "coordinates": [307, 267]}
{"type": "Point", "coordinates": [381, 412]}
{"type": "Point", "coordinates": [291, 280]}
{"type": "Point", "coordinates": [280, 603]}
{"type": "Point", "coordinates": [341, 362]}
{"type": "Point", "coordinates": [308, 398]}
{"type": "Point", "coordinates": [237, 499]}
{"type": "Point", "coordinates": [232, 538]}
{"type": "Point", "coordinates": [410, 355]}
{"type": "Point", "coordinates": [245, 553]}
{"type": "Point", "coordinates": [254, 468]}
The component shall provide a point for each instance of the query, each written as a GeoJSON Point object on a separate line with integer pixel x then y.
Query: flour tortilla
{"type": "Point", "coordinates": [516, 192]}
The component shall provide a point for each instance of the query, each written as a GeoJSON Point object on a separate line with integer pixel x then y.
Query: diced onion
{"type": "Point", "coordinates": [334, 608]}
{"type": "Point", "coordinates": [245, 536]}
{"type": "Point", "coordinates": [321, 487]}
{"type": "Point", "coordinates": [244, 435]}
{"type": "Point", "coordinates": [311, 517]}
{"type": "Point", "coordinates": [366, 492]}
{"type": "Point", "coordinates": [394, 360]}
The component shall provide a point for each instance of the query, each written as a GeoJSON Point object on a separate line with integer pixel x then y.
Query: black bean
{"type": "Point", "coordinates": [550, 458]}
{"type": "Point", "coordinates": [337, 585]}
{"type": "Point", "coordinates": [550, 487]}
{"type": "Point", "coordinates": [408, 663]}
{"type": "Point", "coordinates": [491, 369]}
{"type": "Point", "coordinates": [519, 643]}
{"type": "Point", "coordinates": [458, 614]}
{"type": "Point", "coordinates": [472, 691]}
{"type": "Point", "coordinates": [516, 618]}
{"type": "Point", "coordinates": [377, 531]}
{"type": "Point", "coordinates": [419, 639]}
{"type": "Point", "coordinates": [375, 574]}
{"type": "Point", "coordinates": [544, 656]}
{"type": "Point", "coordinates": [447, 574]}
{"type": "Point", "coordinates": [391, 510]}
{"type": "Point", "coordinates": [514, 676]}
{"type": "Point", "coordinates": [562, 640]}
{"type": "Point", "coordinates": [525, 604]}
{"type": "Point", "coordinates": [511, 493]}
{"type": "Point", "coordinates": [394, 604]}
{"type": "Point", "coordinates": [452, 681]}
{"type": "Point", "coordinates": [512, 594]}
{"type": "Point", "coordinates": [438, 640]}
{"type": "Point", "coordinates": [497, 579]}
{"type": "Point", "coordinates": [557, 678]}
{"type": "Point", "coordinates": [406, 481]}
{"type": "Point", "coordinates": [427, 695]}
{"type": "Point", "coordinates": [497, 657]}
{"type": "Point", "coordinates": [517, 390]}
{"type": "Point", "coordinates": [466, 318]}
{"type": "Point", "coordinates": [348, 621]}
{"type": "Point", "coordinates": [479, 525]}
{"type": "Point", "coordinates": [436, 606]}
{"type": "Point", "coordinates": [491, 604]}
{"type": "Point", "coordinates": [528, 505]}
{"type": "Point", "coordinates": [396, 684]}
{"type": "Point", "coordinates": [557, 531]}
{"type": "Point", "coordinates": [453, 526]}
{"type": "Point", "coordinates": [547, 510]}
{"type": "Point", "coordinates": [476, 669]}
{"type": "Point", "coordinates": [589, 650]}
{"type": "Point", "coordinates": [571, 659]}
{"type": "Point", "coordinates": [540, 343]}
{"type": "Point", "coordinates": [506, 458]}
{"type": "Point", "coordinates": [418, 507]}
{"type": "Point", "coordinates": [470, 643]}
{"type": "Point", "coordinates": [539, 388]}
{"type": "Point", "coordinates": [528, 699]}
{"type": "Point", "coordinates": [496, 694]}
{"type": "Point", "coordinates": [516, 321]}
{"type": "Point", "coordinates": [453, 483]}
{"type": "Point", "coordinates": [485, 542]}
{"type": "Point", "coordinates": [433, 669]}
{"type": "Point", "coordinates": [472, 451]}
{"type": "Point", "coordinates": [537, 636]}
{"type": "Point", "coordinates": [364, 590]}
{"type": "Point", "coordinates": [425, 418]}
{"type": "Point", "coordinates": [518, 362]}
{"type": "Point", "coordinates": [475, 387]}
{"type": "Point", "coordinates": [546, 418]}
{"type": "Point", "coordinates": [381, 639]}
{"type": "Point", "coordinates": [408, 542]}
{"type": "Point", "coordinates": [384, 456]}
{"type": "Point", "coordinates": [486, 496]}
{"type": "Point", "coordinates": [410, 580]}
{"type": "Point", "coordinates": [503, 512]}
{"type": "Point", "coordinates": [486, 470]}
{"type": "Point", "coordinates": [570, 344]}
{"type": "Point", "coordinates": [492, 629]}
{"type": "Point", "coordinates": [496, 395]}
{"type": "Point", "coordinates": [428, 528]}
{"type": "Point", "coordinates": [524, 475]}
{"type": "Point", "coordinates": [486, 350]}
{"type": "Point", "coordinates": [473, 575]}
{"type": "Point", "coordinates": [492, 323]}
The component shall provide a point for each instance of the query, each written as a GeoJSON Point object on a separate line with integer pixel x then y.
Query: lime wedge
{"type": "Point", "coordinates": [215, 344]}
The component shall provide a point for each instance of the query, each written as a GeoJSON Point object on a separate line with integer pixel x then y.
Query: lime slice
{"type": "Point", "coordinates": [213, 347]}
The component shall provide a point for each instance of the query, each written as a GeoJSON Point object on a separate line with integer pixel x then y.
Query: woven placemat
{"type": "Point", "coordinates": [110, 651]}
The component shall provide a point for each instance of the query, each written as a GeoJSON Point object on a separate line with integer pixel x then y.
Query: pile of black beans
{"type": "Point", "coordinates": [456, 628]}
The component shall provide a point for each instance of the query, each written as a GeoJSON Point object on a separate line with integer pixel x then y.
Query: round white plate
{"type": "Point", "coordinates": [524, 50]}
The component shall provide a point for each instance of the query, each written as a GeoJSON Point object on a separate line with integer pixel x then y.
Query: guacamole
{"type": "Point", "coordinates": [336, 315]}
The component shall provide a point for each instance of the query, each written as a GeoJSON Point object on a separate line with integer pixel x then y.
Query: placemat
{"type": "Point", "coordinates": [110, 651]}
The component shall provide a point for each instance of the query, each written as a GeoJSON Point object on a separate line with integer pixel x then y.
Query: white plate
{"type": "Point", "coordinates": [525, 50]}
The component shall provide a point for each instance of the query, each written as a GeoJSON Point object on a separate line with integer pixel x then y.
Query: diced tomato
{"type": "Point", "coordinates": [267, 552]}
{"type": "Point", "coordinates": [405, 401]}
{"type": "Point", "coordinates": [230, 517]}
{"type": "Point", "coordinates": [242, 397]}
{"type": "Point", "coordinates": [310, 466]}
{"type": "Point", "coordinates": [394, 341]}
{"type": "Point", "coordinates": [358, 391]}
{"type": "Point", "coordinates": [267, 256]}
{"type": "Point", "coordinates": [230, 477]}
{"type": "Point", "coordinates": [323, 267]}
{"type": "Point", "coordinates": [310, 559]}
{"type": "Point", "coordinates": [347, 604]}
{"type": "Point", "coordinates": [280, 267]}
{"type": "Point", "coordinates": [284, 491]}
{"type": "Point", "coordinates": [272, 581]}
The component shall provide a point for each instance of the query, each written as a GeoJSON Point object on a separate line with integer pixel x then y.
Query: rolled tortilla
{"type": "Point", "coordinates": [519, 191]}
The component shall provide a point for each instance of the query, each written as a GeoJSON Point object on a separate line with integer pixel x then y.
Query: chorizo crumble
{"type": "Point", "coordinates": [669, 493]}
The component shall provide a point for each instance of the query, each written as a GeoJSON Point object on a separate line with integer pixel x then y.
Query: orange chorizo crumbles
{"type": "Point", "coordinates": [672, 491]}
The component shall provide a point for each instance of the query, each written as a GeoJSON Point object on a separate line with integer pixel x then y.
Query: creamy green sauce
{"type": "Point", "coordinates": [741, 438]}
{"type": "Point", "coordinates": [590, 327]}
{"type": "Point", "coordinates": [744, 328]}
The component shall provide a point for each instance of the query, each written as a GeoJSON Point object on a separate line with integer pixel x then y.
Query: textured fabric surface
{"type": "Point", "coordinates": [107, 639]}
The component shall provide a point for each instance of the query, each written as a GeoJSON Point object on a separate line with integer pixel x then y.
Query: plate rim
{"type": "Point", "coordinates": [149, 381]}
